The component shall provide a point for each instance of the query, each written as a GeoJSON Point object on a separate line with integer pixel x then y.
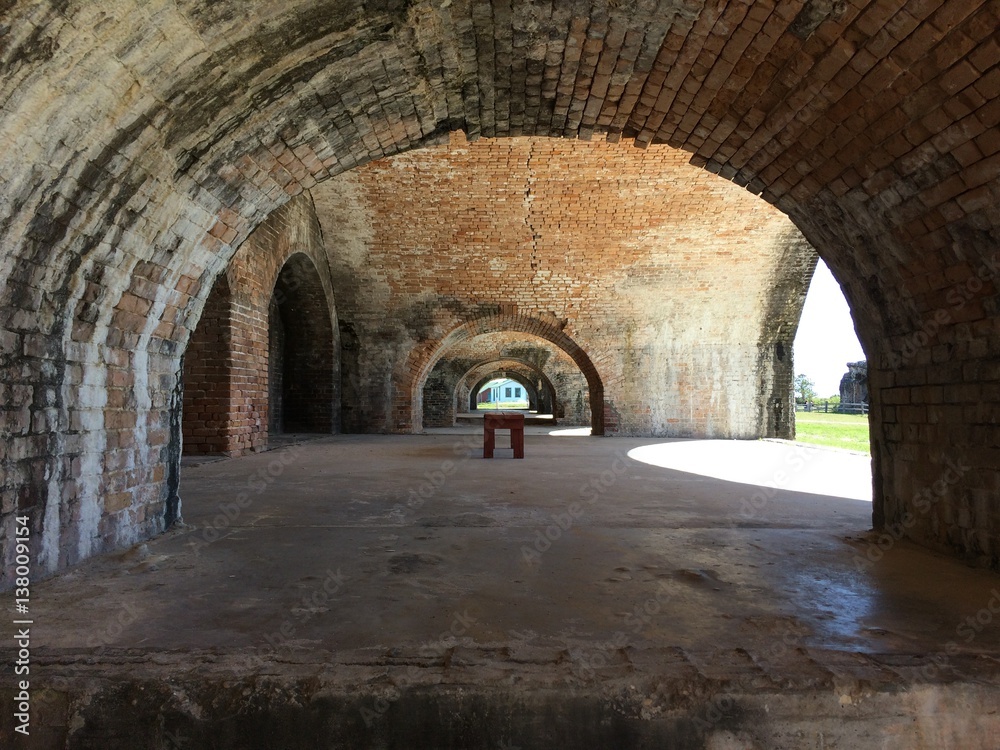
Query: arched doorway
{"type": "Point", "coordinates": [543, 396]}
{"type": "Point", "coordinates": [505, 322]}
{"type": "Point", "coordinates": [503, 390]}
{"type": "Point", "coordinates": [301, 366]}
{"type": "Point", "coordinates": [555, 385]}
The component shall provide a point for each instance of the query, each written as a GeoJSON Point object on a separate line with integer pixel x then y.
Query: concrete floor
{"type": "Point", "coordinates": [384, 565]}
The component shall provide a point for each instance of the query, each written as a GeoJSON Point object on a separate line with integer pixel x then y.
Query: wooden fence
{"type": "Point", "coordinates": [826, 407]}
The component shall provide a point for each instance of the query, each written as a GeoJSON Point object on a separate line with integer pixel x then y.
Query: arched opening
{"type": "Point", "coordinates": [235, 374]}
{"type": "Point", "coordinates": [525, 327]}
{"type": "Point", "coordinates": [301, 368]}
{"type": "Point", "coordinates": [544, 401]}
{"type": "Point", "coordinates": [449, 393]}
{"type": "Point", "coordinates": [504, 391]}
{"type": "Point", "coordinates": [831, 385]}
{"type": "Point", "coordinates": [552, 381]}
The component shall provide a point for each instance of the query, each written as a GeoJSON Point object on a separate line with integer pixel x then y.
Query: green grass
{"type": "Point", "coordinates": [848, 431]}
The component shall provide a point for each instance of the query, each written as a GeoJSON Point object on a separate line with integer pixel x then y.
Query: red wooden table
{"type": "Point", "coordinates": [503, 421]}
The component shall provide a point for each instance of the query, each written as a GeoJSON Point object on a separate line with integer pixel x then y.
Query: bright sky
{"type": "Point", "coordinates": [826, 341]}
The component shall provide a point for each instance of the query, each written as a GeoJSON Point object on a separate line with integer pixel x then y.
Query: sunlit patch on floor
{"type": "Point", "coordinates": [767, 463]}
{"type": "Point", "coordinates": [571, 432]}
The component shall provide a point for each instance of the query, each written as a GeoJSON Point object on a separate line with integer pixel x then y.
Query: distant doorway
{"type": "Point", "coordinates": [502, 393]}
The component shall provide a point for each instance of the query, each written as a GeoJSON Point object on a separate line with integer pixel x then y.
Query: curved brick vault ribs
{"type": "Point", "coordinates": [458, 384]}
{"type": "Point", "coordinates": [143, 141]}
{"type": "Point", "coordinates": [422, 360]}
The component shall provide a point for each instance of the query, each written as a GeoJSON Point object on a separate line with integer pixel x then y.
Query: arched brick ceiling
{"type": "Point", "coordinates": [505, 346]}
{"type": "Point", "coordinates": [144, 125]}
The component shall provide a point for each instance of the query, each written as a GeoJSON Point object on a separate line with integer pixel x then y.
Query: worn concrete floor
{"type": "Point", "coordinates": [578, 567]}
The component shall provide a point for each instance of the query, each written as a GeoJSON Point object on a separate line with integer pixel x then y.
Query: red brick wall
{"type": "Point", "coordinates": [628, 254]}
{"type": "Point", "coordinates": [208, 376]}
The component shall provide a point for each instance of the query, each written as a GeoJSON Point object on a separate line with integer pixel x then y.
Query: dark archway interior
{"type": "Point", "coordinates": [301, 351]}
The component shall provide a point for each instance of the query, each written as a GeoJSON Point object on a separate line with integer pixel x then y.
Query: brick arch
{"type": "Point", "coordinates": [423, 358]}
{"type": "Point", "coordinates": [873, 125]}
{"type": "Point", "coordinates": [441, 395]}
{"type": "Point", "coordinates": [233, 413]}
{"type": "Point", "coordinates": [486, 371]}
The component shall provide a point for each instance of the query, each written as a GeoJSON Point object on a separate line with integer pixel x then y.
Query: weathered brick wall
{"type": "Point", "coordinates": [144, 141]}
{"type": "Point", "coordinates": [933, 377]}
{"type": "Point", "coordinates": [631, 253]}
{"type": "Point", "coordinates": [264, 355]}
{"type": "Point", "coordinates": [208, 405]}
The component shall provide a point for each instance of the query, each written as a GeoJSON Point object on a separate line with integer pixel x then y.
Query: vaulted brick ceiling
{"type": "Point", "coordinates": [871, 123]}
